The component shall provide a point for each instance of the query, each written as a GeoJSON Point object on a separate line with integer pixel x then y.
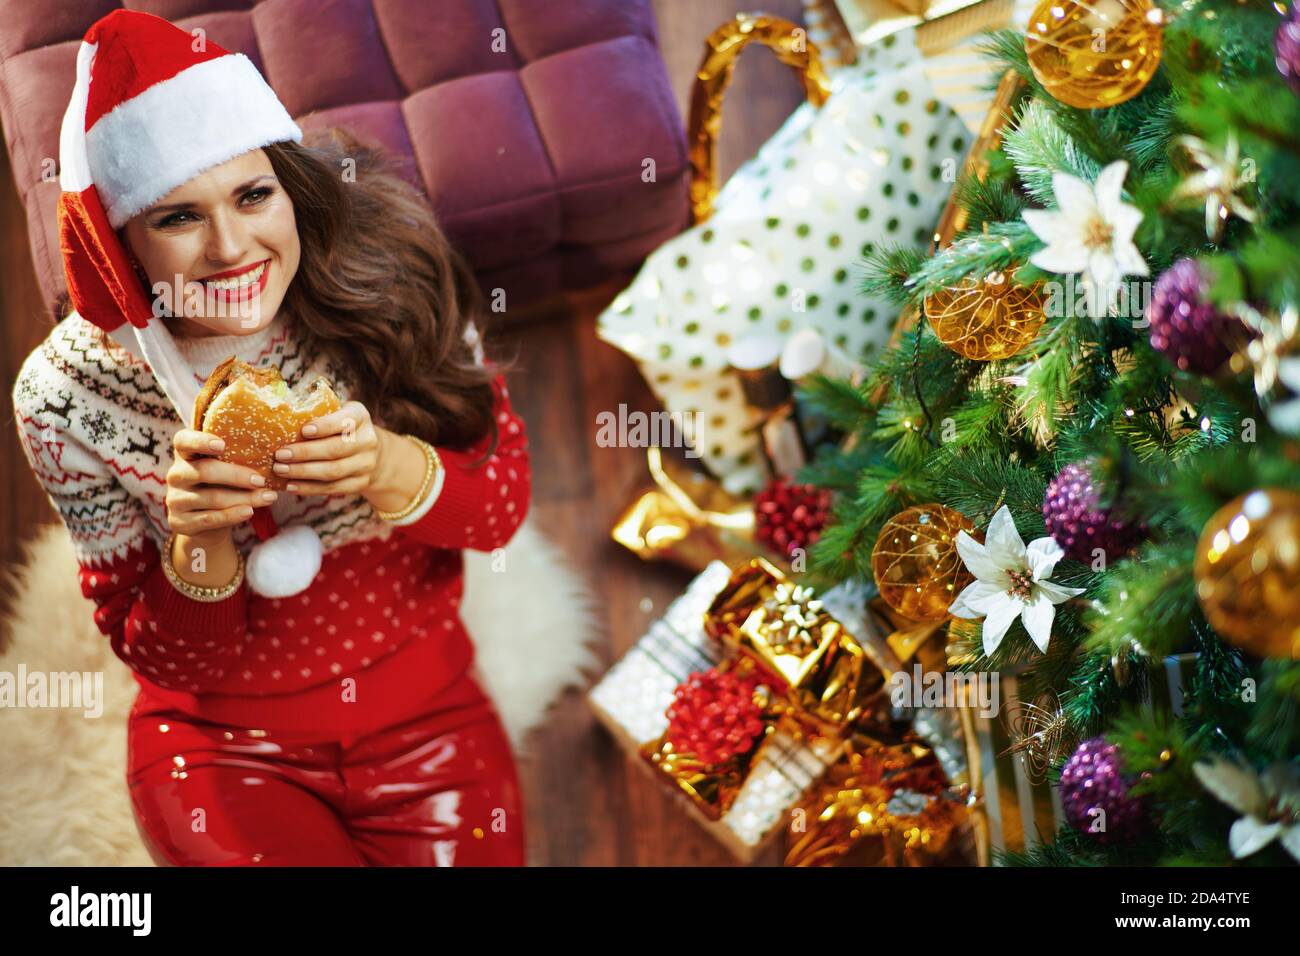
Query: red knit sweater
{"type": "Point", "coordinates": [377, 632]}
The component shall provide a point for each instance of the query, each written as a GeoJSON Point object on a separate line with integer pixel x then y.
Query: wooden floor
{"type": "Point", "coordinates": [586, 804]}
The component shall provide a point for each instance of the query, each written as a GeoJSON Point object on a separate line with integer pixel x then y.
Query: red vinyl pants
{"type": "Point", "coordinates": [437, 789]}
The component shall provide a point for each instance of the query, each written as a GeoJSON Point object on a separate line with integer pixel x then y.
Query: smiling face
{"type": "Point", "coordinates": [230, 235]}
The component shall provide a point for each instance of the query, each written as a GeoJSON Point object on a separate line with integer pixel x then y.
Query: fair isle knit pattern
{"type": "Point", "coordinates": [99, 438]}
{"type": "Point", "coordinates": [383, 611]}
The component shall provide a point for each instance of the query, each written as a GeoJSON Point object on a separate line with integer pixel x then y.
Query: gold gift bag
{"type": "Point", "coordinates": [686, 519]}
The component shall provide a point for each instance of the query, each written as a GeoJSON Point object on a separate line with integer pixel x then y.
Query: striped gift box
{"type": "Point", "coordinates": [1023, 810]}
{"type": "Point", "coordinates": [948, 34]}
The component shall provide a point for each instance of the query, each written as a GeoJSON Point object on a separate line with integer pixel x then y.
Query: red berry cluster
{"type": "Point", "coordinates": [714, 716]}
{"type": "Point", "coordinates": [789, 516]}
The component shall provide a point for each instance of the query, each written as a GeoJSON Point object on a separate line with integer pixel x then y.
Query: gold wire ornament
{"type": "Point", "coordinates": [986, 319]}
{"type": "Point", "coordinates": [1248, 572]}
{"type": "Point", "coordinates": [1094, 55]}
{"type": "Point", "coordinates": [1040, 734]}
{"type": "Point", "coordinates": [916, 564]}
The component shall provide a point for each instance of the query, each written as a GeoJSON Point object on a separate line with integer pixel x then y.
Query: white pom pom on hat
{"type": "Point", "coordinates": [153, 107]}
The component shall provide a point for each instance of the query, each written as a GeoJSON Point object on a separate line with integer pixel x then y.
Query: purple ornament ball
{"type": "Point", "coordinates": [1091, 781]}
{"type": "Point", "coordinates": [1286, 44]}
{"type": "Point", "coordinates": [1188, 331]}
{"type": "Point", "coordinates": [1075, 519]}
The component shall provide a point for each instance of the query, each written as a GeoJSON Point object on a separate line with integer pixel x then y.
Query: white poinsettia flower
{"type": "Point", "coordinates": [1090, 234]}
{"type": "Point", "coordinates": [1269, 803]}
{"type": "Point", "coordinates": [1011, 580]}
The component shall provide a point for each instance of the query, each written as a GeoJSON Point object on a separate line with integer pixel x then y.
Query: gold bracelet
{"type": "Point", "coordinates": [432, 463]}
{"type": "Point", "coordinates": [195, 591]}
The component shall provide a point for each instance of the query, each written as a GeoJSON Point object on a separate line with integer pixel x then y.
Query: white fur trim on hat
{"type": "Point", "coordinates": [163, 137]}
{"type": "Point", "coordinates": [286, 564]}
{"type": "Point", "coordinates": [74, 167]}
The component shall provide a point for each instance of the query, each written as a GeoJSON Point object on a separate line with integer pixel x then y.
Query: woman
{"type": "Point", "coordinates": [332, 719]}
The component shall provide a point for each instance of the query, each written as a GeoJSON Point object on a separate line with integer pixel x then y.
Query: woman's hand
{"type": "Point", "coordinates": [205, 499]}
{"type": "Point", "coordinates": [347, 453]}
{"type": "Point", "coordinates": [340, 454]}
{"type": "Point", "coordinates": [206, 495]}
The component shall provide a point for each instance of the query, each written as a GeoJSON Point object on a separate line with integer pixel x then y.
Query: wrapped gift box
{"type": "Point", "coordinates": [801, 762]}
{"type": "Point", "coordinates": [634, 696]}
{"type": "Point", "coordinates": [778, 256]}
{"type": "Point", "coordinates": [949, 36]}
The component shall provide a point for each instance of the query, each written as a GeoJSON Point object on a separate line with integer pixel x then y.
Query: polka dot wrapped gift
{"type": "Point", "coordinates": [783, 248]}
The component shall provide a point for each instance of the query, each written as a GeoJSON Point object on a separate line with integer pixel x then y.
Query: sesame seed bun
{"type": "Point", "coordinates": [256, 413]}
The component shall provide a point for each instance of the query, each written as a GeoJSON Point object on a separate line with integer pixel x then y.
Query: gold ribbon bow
{"type": "Point", "coordinates": [713, 787]}
{"type": "Point", "coordinates": [689, 528]}
{"type": "Point", "coordinates": [830, 680]}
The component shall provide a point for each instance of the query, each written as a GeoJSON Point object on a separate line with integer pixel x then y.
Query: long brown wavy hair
{"type": "Point", "coordinates": [381, 293]}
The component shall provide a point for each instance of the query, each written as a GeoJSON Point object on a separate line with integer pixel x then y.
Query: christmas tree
{"type": "Point", "coordinates": [1097, 362]}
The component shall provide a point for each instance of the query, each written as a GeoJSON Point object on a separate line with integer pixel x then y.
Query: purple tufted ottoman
{"type": "Point", "coordinates": [528, 123]}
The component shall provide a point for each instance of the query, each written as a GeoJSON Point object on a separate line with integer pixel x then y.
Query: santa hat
{"type": "Point", "coordinates": [153, 107]}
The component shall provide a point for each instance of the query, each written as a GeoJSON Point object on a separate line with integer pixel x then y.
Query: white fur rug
{"type": "Point", "coordinates": [63, 796]}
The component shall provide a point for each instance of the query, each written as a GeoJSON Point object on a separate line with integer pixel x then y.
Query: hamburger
{"type": "Point", "coordinates": [256, 413]}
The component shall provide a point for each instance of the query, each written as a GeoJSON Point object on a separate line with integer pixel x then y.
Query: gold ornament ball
{"type": "Point", "coordinates": [1094, 55]}
{"type": "Point", "coordinates": [1248, 572]}
{"type": "Point", "coordinates": [986, 319]}
{"type": "Point", "coordinates": [916, 564]}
